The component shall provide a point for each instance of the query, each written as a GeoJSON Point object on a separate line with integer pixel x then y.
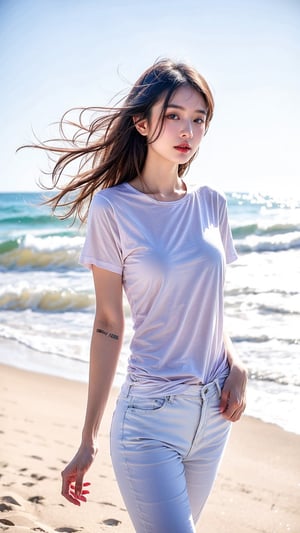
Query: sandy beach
{"type": "Point", "coordinates": [257, 489]}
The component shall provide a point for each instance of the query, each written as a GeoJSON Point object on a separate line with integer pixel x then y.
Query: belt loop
{"type": "Point", "coordinates": [127, 389]}
{"type": "Point", "coordinates": [217, 384]}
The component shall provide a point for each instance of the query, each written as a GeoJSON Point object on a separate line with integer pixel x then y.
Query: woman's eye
{"type": "Point", "coordinates": [199, 121]}
{"type": "Point", "coordinates": [173, 116]}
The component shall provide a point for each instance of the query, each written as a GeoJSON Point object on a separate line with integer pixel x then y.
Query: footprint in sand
{"type": "Point", "coordinates": [67, 530]}
{"type": "Point", "coordinates": [38, 477]}
{"type": "Point", "coordinates": [6, 503]}
{"type": "Point", "coordinates": [10, 499]}
{"type": "Point", "coordinates": [20, 431]}
{"type": "Point", "coordinates": [6, 522]}
{"type": "Point", "coordinates": [36, 499]}
{"type": "Point", "coordinates": [111, 522]}
{"type": "Point", "coordinates": [4, 507]}
{"type": "Point", "coordinates": [108, 503]}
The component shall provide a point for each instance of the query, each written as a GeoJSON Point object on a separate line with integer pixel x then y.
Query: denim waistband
{"type": "Point", "coordinates": [200, 390]}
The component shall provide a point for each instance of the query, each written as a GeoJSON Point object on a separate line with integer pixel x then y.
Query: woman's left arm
{"type": "Point", "coordinates": [233, 398]}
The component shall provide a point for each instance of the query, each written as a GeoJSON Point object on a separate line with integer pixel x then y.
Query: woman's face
{"type": "Point", "coordinates": [183, 127]}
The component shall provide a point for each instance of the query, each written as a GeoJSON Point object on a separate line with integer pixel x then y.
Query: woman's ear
{"type": "Point", "coordinates": [141, 125]}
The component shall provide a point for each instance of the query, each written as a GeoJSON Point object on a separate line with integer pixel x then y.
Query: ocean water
{"type": "Point", "coordinates": [47, 301]}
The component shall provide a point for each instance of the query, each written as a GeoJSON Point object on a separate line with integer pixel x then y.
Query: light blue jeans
{"type": "Point", "coordinates": [165, 453]}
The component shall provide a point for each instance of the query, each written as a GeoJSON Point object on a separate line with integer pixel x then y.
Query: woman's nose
{"type": "Point", "coordinates": [187, 130]}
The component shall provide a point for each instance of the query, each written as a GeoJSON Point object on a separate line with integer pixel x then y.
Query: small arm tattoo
{"type": "Point", "coordinates": [107, 334]}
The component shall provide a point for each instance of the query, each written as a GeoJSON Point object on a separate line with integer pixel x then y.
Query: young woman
{"type": "Point", "coordinates": [167, 245]}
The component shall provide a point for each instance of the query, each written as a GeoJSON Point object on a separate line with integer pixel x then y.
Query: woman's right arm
{"type": "Point", "coordinates": [104, 354]}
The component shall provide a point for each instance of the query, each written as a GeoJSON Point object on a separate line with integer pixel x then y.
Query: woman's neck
{"type": "Point", "coordinates": [160, 181]}
{"type": "Point", "coordinates": [161, 193]}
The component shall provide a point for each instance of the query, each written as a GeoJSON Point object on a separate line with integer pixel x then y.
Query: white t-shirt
{"type": "Point", "coordinates": [172, 258]}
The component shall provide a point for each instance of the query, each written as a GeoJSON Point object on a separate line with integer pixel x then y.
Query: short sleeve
{"type": "Point", "coordinates": [102, 246]}
{"type": "Point", "coordinates": [225, 231]}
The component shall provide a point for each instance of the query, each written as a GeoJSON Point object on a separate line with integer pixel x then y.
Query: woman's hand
{"type": "Point", "coordinates": [233, 397]}
{"type": "Point", "coordinates": [73, 487]}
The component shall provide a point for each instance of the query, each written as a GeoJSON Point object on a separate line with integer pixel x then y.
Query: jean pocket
{"type": "Point", "coordinates": [146, 404]}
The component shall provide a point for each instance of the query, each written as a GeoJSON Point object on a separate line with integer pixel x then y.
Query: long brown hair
{"type": "Point", "coordinates": [109, 149]}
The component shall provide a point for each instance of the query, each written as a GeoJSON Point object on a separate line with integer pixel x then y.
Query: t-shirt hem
{"type": "Point", "coordinates": [153, 388]}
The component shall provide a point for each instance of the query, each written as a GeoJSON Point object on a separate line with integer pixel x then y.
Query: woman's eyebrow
{"type": "Point", "coordinates": [175, 106]}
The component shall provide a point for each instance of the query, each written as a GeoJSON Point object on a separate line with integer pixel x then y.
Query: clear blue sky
{"type": "Point", "coordinates": [55, 54]}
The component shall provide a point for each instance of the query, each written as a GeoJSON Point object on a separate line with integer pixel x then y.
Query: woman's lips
{"type": "Point", "coordinates": [183, 148]}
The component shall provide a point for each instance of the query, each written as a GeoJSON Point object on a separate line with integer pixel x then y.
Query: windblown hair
{"type": "Point", "coordinates": [109, 150]}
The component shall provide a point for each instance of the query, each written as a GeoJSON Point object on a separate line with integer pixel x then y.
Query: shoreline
{"type": "Point", "coordinates": [28, 360]}
{"type": "Point", "coordinates": [257, 488]}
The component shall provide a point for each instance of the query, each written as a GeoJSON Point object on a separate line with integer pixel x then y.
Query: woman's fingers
{"type": "Point", "coordinates": [73, 488]}
{"type": "Point", "coordinates": [224, 400]}
{"type": "Point", "coordinates": [230, 408]}
{"type": "Point", "coordinates": [236, 415]}
{"type": "Point", "coordinates": [79, 483]}
{"type": "Point", "coordinates": [78, 488]}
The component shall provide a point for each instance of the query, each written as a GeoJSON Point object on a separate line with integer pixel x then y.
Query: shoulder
{"type": "Point", "coordinates": [102, 208]}
{"type": "Point", "coordinates": [214, 202]}
{"type": "Point", "coordinates": [106, 198]}
{"type": "Point", "coordinates": [209, 194]}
